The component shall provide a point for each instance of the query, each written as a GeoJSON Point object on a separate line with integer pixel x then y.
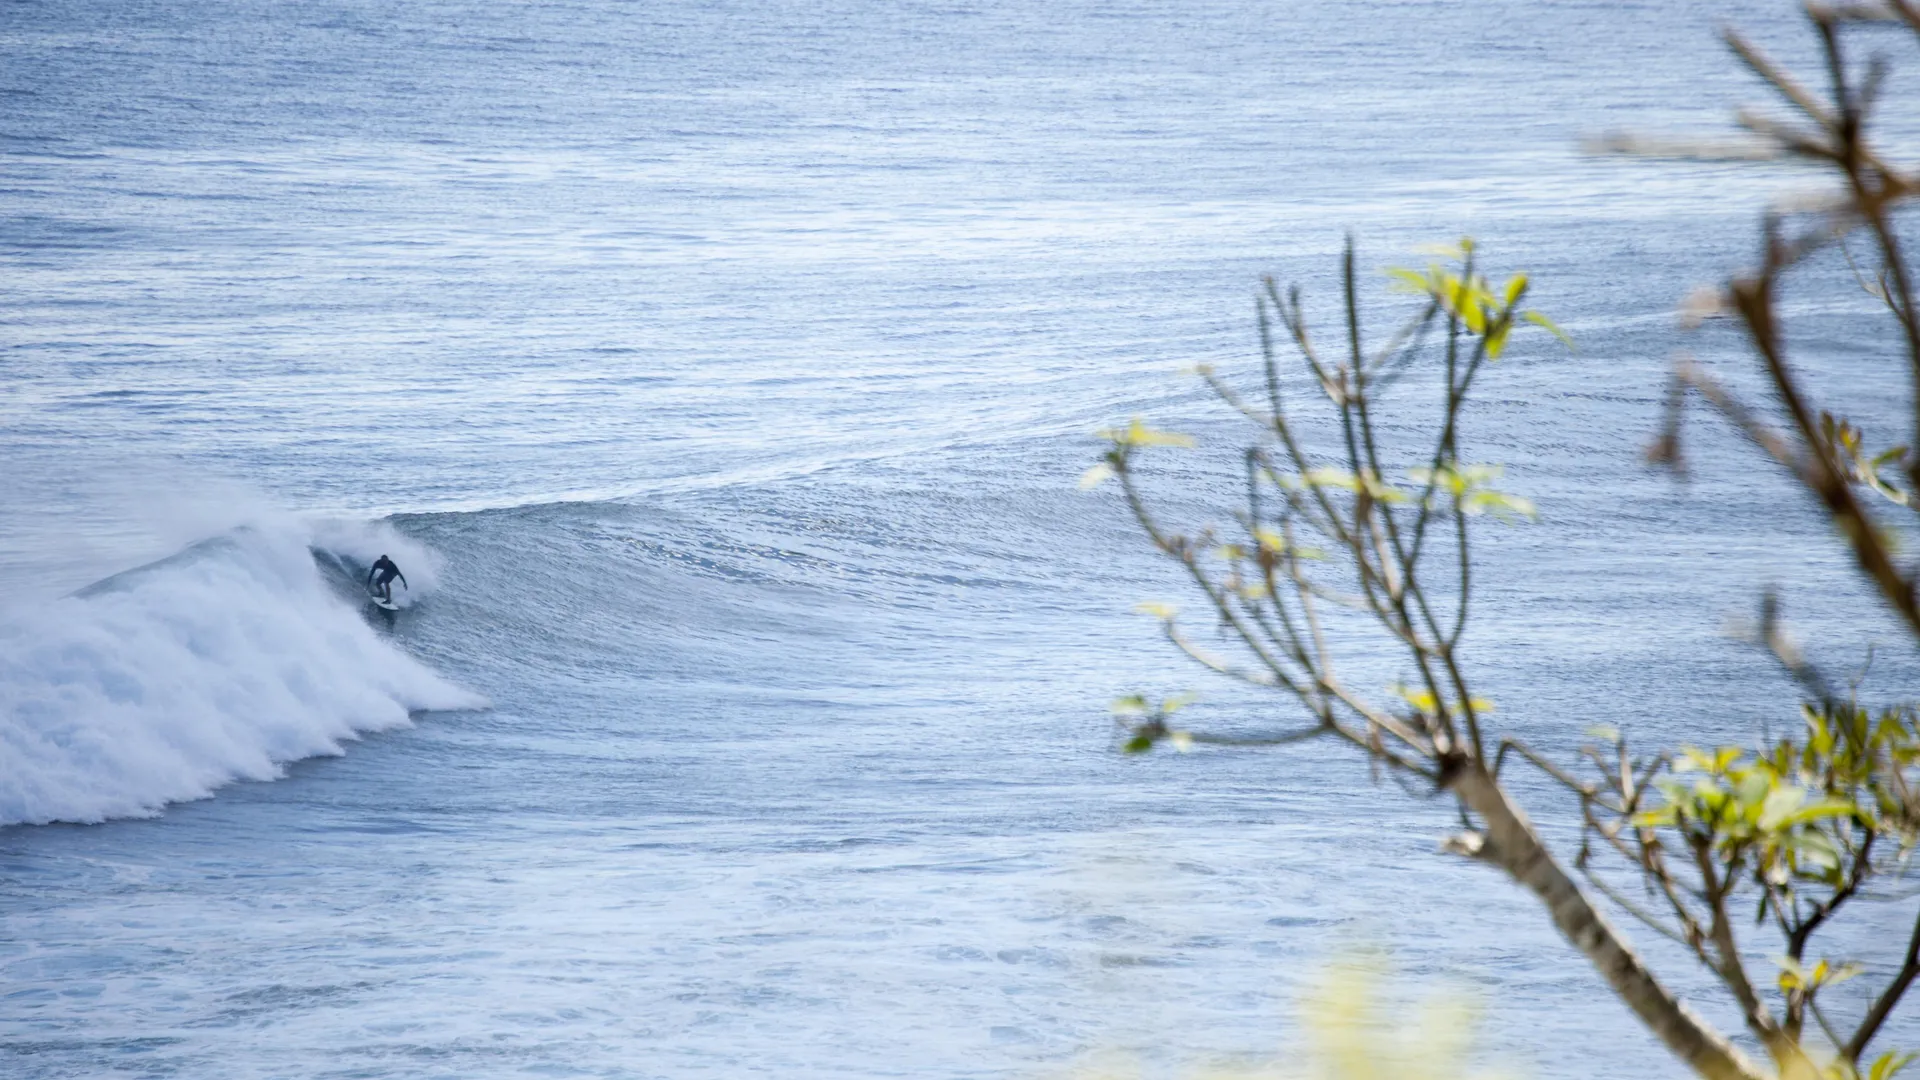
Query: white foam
{"type": "Point", "coordinates": [356, 544]}
{"type": "Point", "coordinates": [219, 664]}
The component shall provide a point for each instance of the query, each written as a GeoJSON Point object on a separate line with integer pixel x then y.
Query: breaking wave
{"type": "Point", "coordinates": [220, 663]}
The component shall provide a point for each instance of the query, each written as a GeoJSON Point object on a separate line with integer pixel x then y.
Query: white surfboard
{"type": "Point", "coordinates": [384, 605]}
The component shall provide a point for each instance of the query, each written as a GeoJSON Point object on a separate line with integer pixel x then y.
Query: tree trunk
{"type": "Point", "coordinates": [1511, 844]}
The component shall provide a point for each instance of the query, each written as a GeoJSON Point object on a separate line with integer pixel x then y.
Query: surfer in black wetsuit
{"type": "Point", "coordinates": [380, 578]}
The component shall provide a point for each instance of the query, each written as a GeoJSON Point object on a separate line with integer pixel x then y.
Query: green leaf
{"type": "Point", "coordinates": [1467, 305]}
{"type": "Point", "coordinates": [1096, 476]}
{"type": "Point", "coordinates": [1497, 341]}
{"type": "Point", "coordinates": [1887, 1064]}
{"type": "Point", "coordinates": [1516, 287]}
{"type": "Point", "coordinates": [1815, 850]}
{"type": "Point", "coordinates": [1797, 976]}
{"type": "Point", "coordinates": [1841, 973]}
{"type": "Point", "coordinates": [1777, 805]}
{"type": "Point", "coordinates": [1552, 327]}
{"type": "Point", "coordinates": [1139, 744]}
{"type": "Point", "coordinates": [1331, 477]}
{"type": "Point", "coordinates": [1507, 508]}
{"type": "Point", "coordinates": [1793, 974]}
{"type": "Point", "coordinates": [1422, 700]}
{"type": "Point", "coordinates": [1377, 489]}
{"type": "Point", "coordinates": [1137, 433]}
{"type": "Point", "coordinates": [1412, 281]}
{"type": "Point", "coordinates": [1830, 808]}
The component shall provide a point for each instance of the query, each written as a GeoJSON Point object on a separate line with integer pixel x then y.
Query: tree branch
{"type": "Point", "coordinates": [1883, 1005]}
{"type": "Point", "coordinates": [1511, 844]}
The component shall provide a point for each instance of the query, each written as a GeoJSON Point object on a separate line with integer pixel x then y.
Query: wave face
{"type": "Point", "coordinates": [221, 663]}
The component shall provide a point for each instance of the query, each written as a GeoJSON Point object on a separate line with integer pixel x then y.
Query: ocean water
{"type": "Point", "coordinates": [719, 375]}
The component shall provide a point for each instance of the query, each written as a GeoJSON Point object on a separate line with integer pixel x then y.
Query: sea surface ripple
{"type": "Point", "coordinates": [720, 373]}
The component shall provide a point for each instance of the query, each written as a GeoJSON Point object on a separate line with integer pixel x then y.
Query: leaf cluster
{"type": "Point", "coordinates": [1798, 827]}
{"type": "Point", "coordinates": [1319, 535]}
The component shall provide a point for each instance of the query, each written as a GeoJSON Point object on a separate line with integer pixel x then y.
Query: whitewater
{"type": "Point", "coordinates": [719, 376]}
{"type": "Point", "coordinates": [220, 663]}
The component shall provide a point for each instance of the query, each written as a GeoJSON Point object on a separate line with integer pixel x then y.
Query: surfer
{"type": "Point", "coordinates": [380, 578]}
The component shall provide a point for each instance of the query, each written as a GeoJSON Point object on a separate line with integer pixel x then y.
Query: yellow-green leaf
{"type": "Point", "coordinates": [1887, 1064]}
{"type": "Point", "coordinates": [1137, 433]}
{"type": "Point", "coordinates": [1412, 281]}
{"type": "Point", "coordinates": [1551, 327]}
{"type": "Point", "coordinates": [1516, 287]}
{"type": "Point", "coordinates": [1497, 341]}
{"type": "Point", "coordinates": [1467, 306]}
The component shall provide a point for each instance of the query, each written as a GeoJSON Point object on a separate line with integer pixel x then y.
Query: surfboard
{"type": "Point", "coordinates": [384, 605]}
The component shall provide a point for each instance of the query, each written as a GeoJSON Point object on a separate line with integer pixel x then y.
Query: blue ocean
{"type": "Point", "coordinates": [719, 375]}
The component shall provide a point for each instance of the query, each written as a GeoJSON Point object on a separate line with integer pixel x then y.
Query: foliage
{"type": "Point", "coordinates": [1332, 522]}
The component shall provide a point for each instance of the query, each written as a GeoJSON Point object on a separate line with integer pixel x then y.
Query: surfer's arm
{"type": "Point", "coordinates": [403, 580]}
